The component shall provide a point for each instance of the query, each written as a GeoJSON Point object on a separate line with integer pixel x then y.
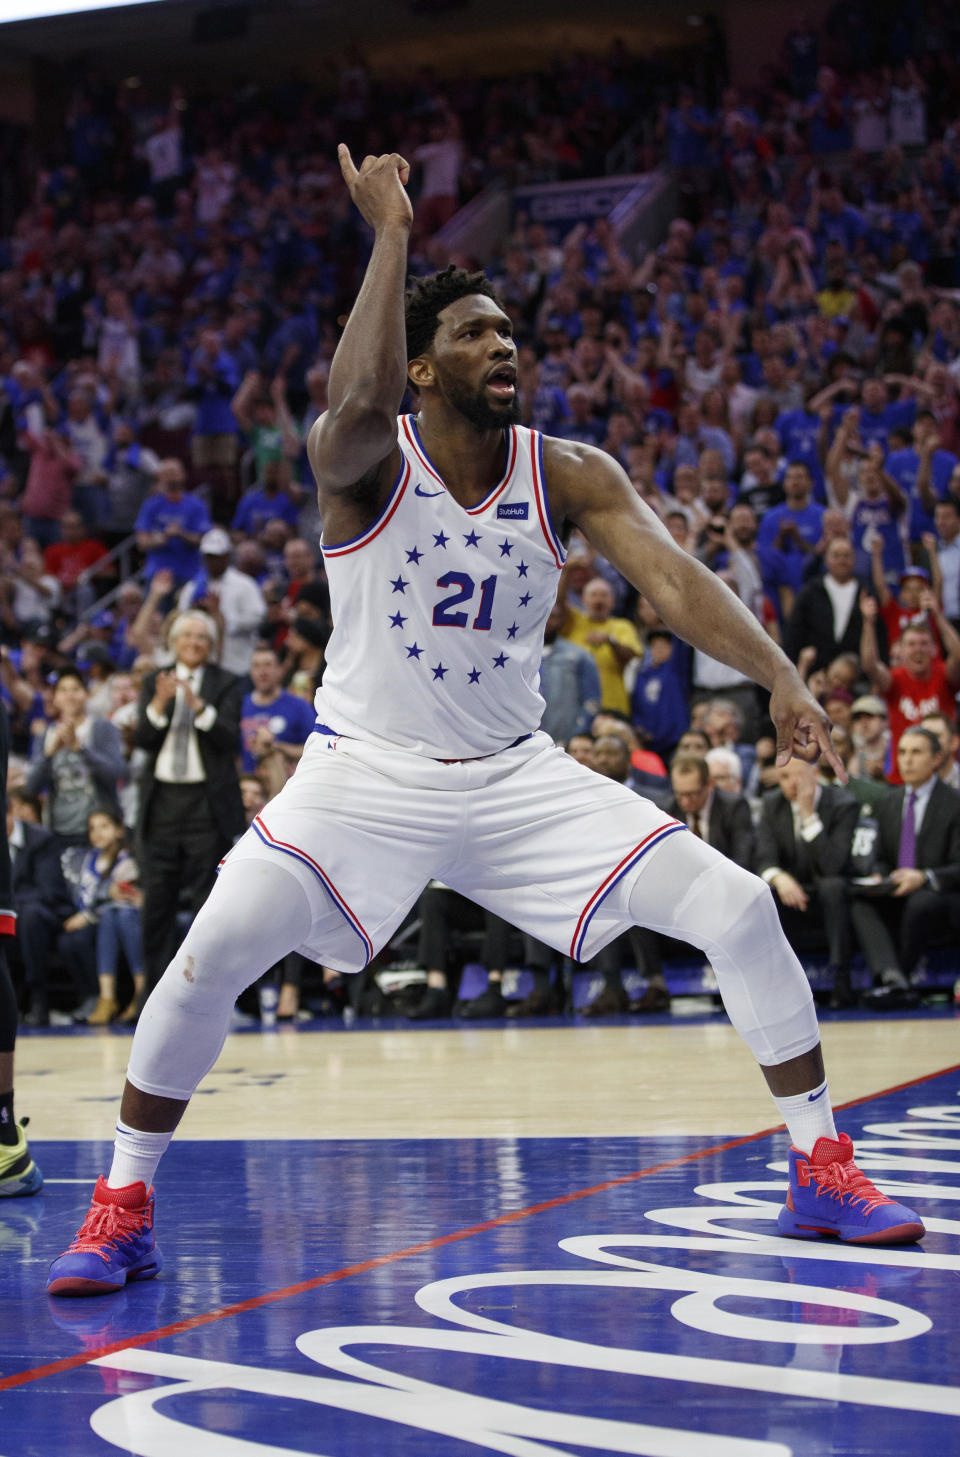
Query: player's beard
{"type": "Point", "coordinates": [475, 407]}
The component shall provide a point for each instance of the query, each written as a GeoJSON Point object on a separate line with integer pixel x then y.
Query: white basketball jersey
{"type": "Point", "coordinates": [439, 610]}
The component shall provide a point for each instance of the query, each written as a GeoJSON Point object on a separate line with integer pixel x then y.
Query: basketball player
{"type": "Point", "coordinates": [442, 545]}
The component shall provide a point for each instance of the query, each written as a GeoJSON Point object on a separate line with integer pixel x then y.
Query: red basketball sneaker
{"type": "Point", "coordinates": [829, 1198]}
{"type": "Point", "coordinates": [115, 1243]}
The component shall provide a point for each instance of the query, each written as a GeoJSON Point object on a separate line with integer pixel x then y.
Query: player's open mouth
{"type": "Point", "coordinates": [502, 381]}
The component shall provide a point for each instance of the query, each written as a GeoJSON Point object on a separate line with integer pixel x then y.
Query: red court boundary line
{"type": "Point", "coordinates": [193, 1322]}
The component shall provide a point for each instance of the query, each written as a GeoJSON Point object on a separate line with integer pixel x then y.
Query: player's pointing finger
{"type": "Point", "coordinates": [828, 751]}
{"type": "Point", "coordinates": [346, 164]}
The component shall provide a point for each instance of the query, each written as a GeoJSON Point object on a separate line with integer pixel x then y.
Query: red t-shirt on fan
{"type": "Point", "coordinates": [897, 619]}
{"type": "Point", "coordinates": [910, 699]}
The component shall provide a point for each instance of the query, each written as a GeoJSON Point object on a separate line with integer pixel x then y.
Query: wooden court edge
{"type": "Point", "coordinates": [194, 1322]}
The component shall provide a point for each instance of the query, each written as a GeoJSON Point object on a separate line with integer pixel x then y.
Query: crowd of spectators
{"type": "Point", "coordinates": [779, 375]}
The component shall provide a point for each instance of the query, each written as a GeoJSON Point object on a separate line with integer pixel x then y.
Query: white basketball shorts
{"type": "Point", "coordinates": [550, 846]}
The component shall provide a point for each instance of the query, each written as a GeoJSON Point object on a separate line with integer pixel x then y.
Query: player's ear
{"type": "Point", "coordinates": [420, 371]}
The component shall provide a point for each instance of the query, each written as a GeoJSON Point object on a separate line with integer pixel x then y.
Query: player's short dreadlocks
{"type": "Point", "coordinates": [429, 296]}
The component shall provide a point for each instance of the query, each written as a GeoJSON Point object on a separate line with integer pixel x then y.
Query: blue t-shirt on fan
{"type": "Point", "coordinates": [176, 555]}
{"type": "Point", "coordinates": [290, 719]}
{"type": "Point", "coordinates": [877, 425]}
{"type": "Point", "coordinates": [904, 466]}
{"type": "Point", "coordinates": [783, 566]}
{"type": "Point", "coordinates": [255, 508]}
{"type": "Point", "coordinates": [877, 517]}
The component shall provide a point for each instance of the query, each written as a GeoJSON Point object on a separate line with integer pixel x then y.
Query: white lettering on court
{"type": "Point", "coordinates": [145, 1422]}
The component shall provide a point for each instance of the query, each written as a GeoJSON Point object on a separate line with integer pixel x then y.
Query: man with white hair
{"type": "Point", "coordinates": [233, 599]}
{"type": "Point", "coordinates": [726, 771]}
{"type": "Point", "coordinates": [188, 721]}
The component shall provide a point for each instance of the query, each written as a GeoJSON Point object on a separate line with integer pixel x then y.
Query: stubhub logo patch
{"type": "Point", "coordinates": [513, 511]}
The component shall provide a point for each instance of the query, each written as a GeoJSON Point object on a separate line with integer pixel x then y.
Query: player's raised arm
{"type": "Point", "coordinates": [368, 375]}
{"type": "Point", "coordinates": [587, 486]}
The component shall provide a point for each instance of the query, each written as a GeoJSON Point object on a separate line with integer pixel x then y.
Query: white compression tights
{"type": "Point", "coordinates": [258, 911]}
{"type": "Point", "coordinates": [255, 914]}
{"type": "Point", "coordinates": [694, 893]}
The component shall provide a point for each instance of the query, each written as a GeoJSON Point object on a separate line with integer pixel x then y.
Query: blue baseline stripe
{"type": "Point", "coordinates": [327, 885]}
{"type": "Point", "coordinates": [669, 830]}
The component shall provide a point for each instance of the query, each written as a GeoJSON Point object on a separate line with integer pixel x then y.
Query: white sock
{"type": "Point", "coordinates": [808, 1116]}
{"type": "Point", "coordinates": [136, 1155]}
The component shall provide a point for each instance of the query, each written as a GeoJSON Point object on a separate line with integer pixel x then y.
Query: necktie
{"type": "Point", "coordinates": [908, 833]}
{"type": "Point", "coordinates": [181, 729]}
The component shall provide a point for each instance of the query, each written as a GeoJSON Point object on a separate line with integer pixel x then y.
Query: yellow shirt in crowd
{"type": "Point", "coordinates": [577, 629]}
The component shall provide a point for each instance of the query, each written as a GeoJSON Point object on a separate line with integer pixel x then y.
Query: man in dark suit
{"type": "Point", "coordinates": [188, 720]}
{"type": "Point", "coordinates": [804, 841]}
{"type": "Point", "coordinates": [918, 850]}
{"type": "Point", "coordinates": [826, 614]}
{"type": "Point", "coordinates": [724, 821]}
{"type": "Point", "coordinates": [42, 902]}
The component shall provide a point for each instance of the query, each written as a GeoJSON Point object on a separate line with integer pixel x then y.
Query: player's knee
{"type": "Point", "coordinates": [252, 918]}
{"type": "Point", "coordinates": [731, 901]}
{"type": "Point", "coordinates": [214, 960]}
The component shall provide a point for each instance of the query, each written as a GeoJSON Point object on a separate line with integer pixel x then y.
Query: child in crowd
{"type": "Point", "coordinates": [105, 878]}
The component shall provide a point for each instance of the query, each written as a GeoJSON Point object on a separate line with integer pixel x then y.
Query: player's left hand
{"type": "Point", "coordinates": [803, 729]}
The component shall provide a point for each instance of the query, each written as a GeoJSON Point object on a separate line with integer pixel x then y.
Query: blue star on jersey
{"type": "Point", "coordinates": [505, 548]}
{"type": "Point", "coordinates": [472, 539]}
{"type": "Point", "coordinates": [414, 556]}
{"type": "Point", "coordinates": [524, 599]}
{"type": "Point", "coordinates": [397, 620]}
{"type": "Point", "coordinates": [501, 660]}
{"type": "Point", "coordinates": [398, 584]}
{"type": "Point", "coordinates": [512, 630]}
{"type": "Point", "coordinates": [414, 652]}
{"type": "Point", "coordinates": [440, 539]}
{"type": "Point", "coordinates": [439, 671]}
{"type": "Point", "coordinates": [522, 568]}
{"type": "Point", "coordinates": [474, 675]}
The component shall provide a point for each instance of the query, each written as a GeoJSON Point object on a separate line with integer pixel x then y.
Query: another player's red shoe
{"type": "Point", "coordinates": [829, 1197]}
{"type": "Point", "coordinates": [115, 1243]}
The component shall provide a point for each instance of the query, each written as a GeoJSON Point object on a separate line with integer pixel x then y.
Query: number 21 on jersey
{"type": "Point", "coordinates": [443, 614]}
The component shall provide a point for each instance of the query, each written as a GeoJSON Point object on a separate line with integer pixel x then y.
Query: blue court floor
{"type": "Point", "coordinates": [530, 1297]}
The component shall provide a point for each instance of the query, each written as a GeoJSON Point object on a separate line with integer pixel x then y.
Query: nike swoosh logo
{"type": "Point", "coordinates": [814, 1096]}
{"type": "Point", "coordinates": [418, 491]}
